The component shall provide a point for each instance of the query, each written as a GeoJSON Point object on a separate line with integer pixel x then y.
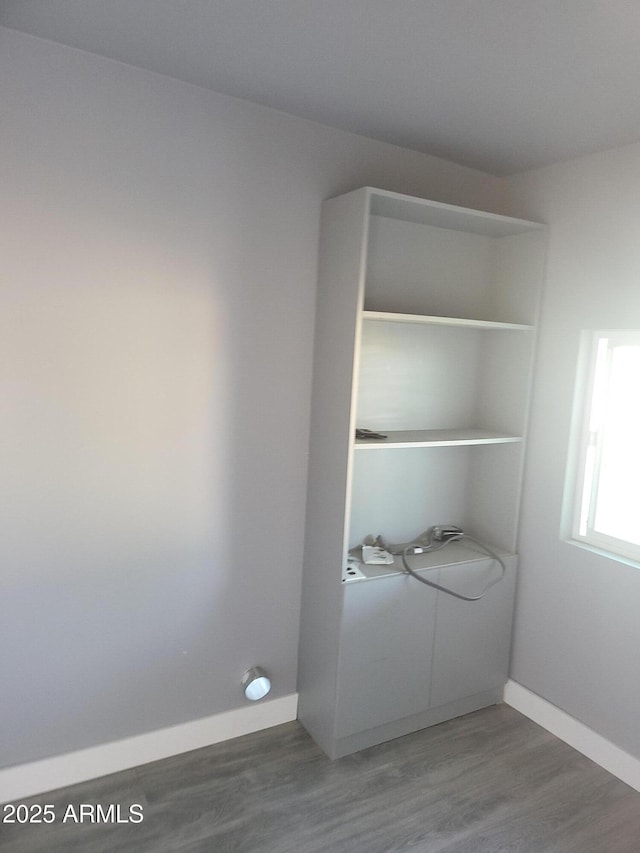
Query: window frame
{"type": "Point", "coordinates": [600, 345]}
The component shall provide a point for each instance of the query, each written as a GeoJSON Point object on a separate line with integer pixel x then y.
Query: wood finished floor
{"type": "Point", "coordinates": [490, 782]}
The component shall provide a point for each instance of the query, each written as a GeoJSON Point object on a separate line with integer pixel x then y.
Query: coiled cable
{"type": "Point", "coordinates": [424, 544]}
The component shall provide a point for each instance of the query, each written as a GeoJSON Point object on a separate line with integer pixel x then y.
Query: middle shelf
{"type": "Point", "coordinates": [435, 438]}
{"type": "Point", "coordinates": [433, 320]}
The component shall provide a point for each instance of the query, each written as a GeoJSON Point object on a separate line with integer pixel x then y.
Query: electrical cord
{"type": "Point", "coordinates": [424, 545]}
{"type": "Point", "coordinates": [446, 589]}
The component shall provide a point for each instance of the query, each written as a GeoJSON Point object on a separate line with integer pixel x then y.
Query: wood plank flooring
{"type": "Point", "coordinates": [490, 782]}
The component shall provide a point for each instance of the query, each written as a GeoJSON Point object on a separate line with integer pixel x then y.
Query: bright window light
{"type": "Point", "coordinates": [608, 485]}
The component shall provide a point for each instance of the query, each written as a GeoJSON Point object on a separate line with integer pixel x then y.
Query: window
{"type": "Point", "coordinates": [607, 511]}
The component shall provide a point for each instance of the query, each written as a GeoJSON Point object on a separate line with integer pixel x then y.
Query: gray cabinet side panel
{"type": "Point", "coordinates": [340, 285]}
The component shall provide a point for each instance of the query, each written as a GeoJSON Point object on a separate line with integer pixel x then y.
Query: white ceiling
{"type": "Point", "coordinates": [500, 85]}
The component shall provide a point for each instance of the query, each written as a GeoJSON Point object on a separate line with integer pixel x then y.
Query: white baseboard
{"type": "Point", "coordinates": [37, 777]}
{"type": "Point", "coordinates": [600, 750]}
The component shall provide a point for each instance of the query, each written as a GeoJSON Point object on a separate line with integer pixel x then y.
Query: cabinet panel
{"type": "Point", "coordinates": [472, 638]}
{"type": "Point", "coordinates": [399, 493]}
{"type": "Point", "coordinates": [424, 377]}
{"type": "Point", "coordinates": [417, 377]}
{"type": "Point", "coordinates": [386, 646]}
{"type": "Point", "coordinates": [426, 270]}
{"type": "Point", "coordinates": [504, 363]}
{"type": "Point", "coordinates": [344, 226]}
{"type": "Point", "coordinates": [493, 493]}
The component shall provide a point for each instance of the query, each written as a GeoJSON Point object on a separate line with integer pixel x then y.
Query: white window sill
{"type": "Point", "coordinates": [602, 552]}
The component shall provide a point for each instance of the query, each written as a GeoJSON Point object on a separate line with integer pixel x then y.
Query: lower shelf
{"type": "Point", "coordinates": [454, 554]}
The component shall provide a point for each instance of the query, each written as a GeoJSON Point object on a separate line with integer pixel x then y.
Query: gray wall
{"type": "Point", "coordinates": [577, 630]}
{"type": "Point", "coordinates": [157, 263]}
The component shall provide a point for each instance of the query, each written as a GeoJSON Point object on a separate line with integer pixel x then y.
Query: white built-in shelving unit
{"type": "Point", "coordinates": [425, 333]}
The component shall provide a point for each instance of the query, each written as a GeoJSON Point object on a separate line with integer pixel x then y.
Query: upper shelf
{"type": "Point", "coordinates": [434, 438]}
{"type": "Point", "coordinates": [429, 320]}
{"type": "Point", "coordinates": [410, 209]}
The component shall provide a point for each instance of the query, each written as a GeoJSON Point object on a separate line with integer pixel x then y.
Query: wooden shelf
{"type": "Point", "coordinates": [435, 438]}
{"type": "Point", "coordinates": [430, 320]}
